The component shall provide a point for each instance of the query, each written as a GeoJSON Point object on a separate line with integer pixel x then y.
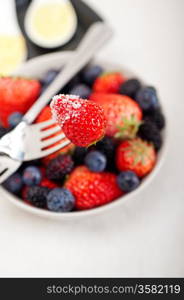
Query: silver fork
{"type": "Point", "coordinates": [26, 142]}
{"type": "Point", "coordinates": [34, 141]}
{"type": "Point", "coordinates": [46, 140]}
{"type": "Point", "coordinates": [43, 145]}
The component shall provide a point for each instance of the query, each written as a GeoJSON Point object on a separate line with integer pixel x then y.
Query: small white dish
{"type": "Point", "coordinates": [13, 49]}
{"type": "Point", "coordinates": [36, 68]}
{"type": "Point", "coordinates": [50, 23]}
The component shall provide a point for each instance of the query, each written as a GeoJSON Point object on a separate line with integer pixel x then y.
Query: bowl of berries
{"type": "Point", "coordinates": [116, 127]}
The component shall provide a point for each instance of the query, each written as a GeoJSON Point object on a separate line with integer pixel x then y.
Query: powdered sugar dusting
{"type": "Point", "coordinates": [76, 105]}
{"type": "Point", "coordinates": [66, 104]}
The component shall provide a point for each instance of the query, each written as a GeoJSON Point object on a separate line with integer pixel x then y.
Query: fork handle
{"type": "Point", "coordinates": [94, 39]}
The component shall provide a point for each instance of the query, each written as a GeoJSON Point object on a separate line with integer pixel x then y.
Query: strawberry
{"type": "Point", "coordinates": [82, 121]}
{"type": "Point", "coordinates": [44, 116]}
{"type": "Point", "coordinates": [136, 155]}
{"type": "Point", "coordinates": [17, 94]}
{"type": "Point", "coordinates": [123, 114]}
{"type": "Point", "coordinates": [92, 189]}
{"type": "Point", "coordinates": [48, 183]}
{"type": "Point", "coordinates": [108, 82]}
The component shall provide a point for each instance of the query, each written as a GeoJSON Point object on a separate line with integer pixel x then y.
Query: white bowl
{"type": "Point", "coordinates": [36, 68]}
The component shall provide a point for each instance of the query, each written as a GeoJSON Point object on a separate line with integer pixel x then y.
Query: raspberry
{"type": "Point", "coordinates": [37, 196]}
{"type": "Point", "coordinates": [59, 167]}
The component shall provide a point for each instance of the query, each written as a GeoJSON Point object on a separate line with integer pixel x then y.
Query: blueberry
{"type": "Point", "coordinates": [130, 87]}
{"type": "Point", "coordinates": [152, 88]}
{"type": "Point", "coordinates": [149, 131]}
{"type": "Point", "coordinates": [60, 200]}
{"type": "Point", "coordinates": [14, 119]}
{"type": "Point", "coordinates": [90, 73]}
{"type": "Point", "coordinates": [157, 118]}
{"type": "Point", "coordinates": [32, 176]}
{"type": "Point", "coordinates": [96, 161]}
{"type": "Point", "coordinates": [107, 146]}
{"type": "Point", "coordinates": [14, 183]}
{"type": "Point", "coordinates": [74, 81]}
{"type": "Point", "coordinates": [49, 77]}
{"type": "Point", "coordinates": [81, 90]}
{"type": "Point", "coordinates": [79, 155]}
{"type": "Point", "coordinates": [128, 181]}
{"type": "Point", "coordinates": [147, 98]}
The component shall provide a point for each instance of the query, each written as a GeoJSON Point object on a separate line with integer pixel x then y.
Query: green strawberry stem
{"type": "Point", "coordinates": [139, 151]}
{"type": "Point", "coordinates": [129, 128]}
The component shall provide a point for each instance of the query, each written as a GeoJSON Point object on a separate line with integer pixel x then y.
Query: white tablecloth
{"type": "Point", "coordinates": [144, 237]}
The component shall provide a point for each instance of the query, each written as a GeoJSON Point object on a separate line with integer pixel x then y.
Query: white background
{"type": "Point", "coordinates": [144, 237]}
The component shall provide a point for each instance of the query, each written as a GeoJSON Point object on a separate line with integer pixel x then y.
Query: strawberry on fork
{"type": "Point", "coordinates": [82, 121]}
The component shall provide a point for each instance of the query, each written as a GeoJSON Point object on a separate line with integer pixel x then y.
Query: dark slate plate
{"type": "Point", "coordinates": [86, 17]}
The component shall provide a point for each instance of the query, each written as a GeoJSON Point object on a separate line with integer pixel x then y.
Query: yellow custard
{"type": "Point", "coordinates": [12, 53]}
{"type": "Point", "coordinates": [51, 20]}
